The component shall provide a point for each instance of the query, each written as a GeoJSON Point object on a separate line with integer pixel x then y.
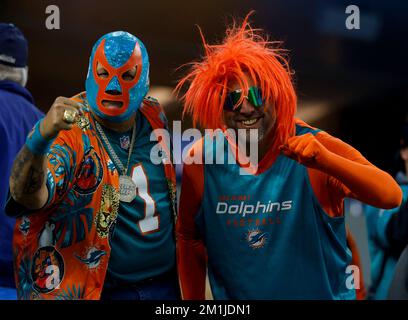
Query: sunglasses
{"type": "Point", "coordinates": [254, 97]}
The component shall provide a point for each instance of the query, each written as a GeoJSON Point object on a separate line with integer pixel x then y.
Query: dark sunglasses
{"type": "Point", "coordinates": [254, 97]}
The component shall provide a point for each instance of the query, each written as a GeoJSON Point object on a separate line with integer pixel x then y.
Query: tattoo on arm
{"type": "Point", "coordinates": [27, 174]}
{"type": "Point", "coordinates": [34, 181]}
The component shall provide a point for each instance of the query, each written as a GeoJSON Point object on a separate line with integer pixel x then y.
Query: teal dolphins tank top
{"type": "Point", "coordinates": [267, 236]}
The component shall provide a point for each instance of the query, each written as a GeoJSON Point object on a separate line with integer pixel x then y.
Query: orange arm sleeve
{"type": "Point", "coordinates": [191, 253]}
{"type": "Point", "coordinates": [349, 174]}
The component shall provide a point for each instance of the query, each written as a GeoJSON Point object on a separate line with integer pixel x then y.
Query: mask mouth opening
{"type": "Point", "coordinates": [111, 104]}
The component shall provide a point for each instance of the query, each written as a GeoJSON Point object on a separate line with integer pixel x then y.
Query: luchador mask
{"type": "Point", "coordinates": [118, 53]}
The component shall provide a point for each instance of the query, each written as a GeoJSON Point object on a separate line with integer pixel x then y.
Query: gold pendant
{"type": "Point", "coordinates": [108, 211]}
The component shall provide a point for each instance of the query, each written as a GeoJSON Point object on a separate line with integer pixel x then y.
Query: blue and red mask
{"type": "Point", "coordinates": [118, 53]}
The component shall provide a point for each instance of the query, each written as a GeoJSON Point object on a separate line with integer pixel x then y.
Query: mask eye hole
{"type": "Point", "coordinates": [101, 71]}
{"type": "Point", "coordinates": [130, 74]}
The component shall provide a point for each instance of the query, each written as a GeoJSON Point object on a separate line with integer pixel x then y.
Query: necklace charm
{"type": "Point", "coordinates": [127, 189]}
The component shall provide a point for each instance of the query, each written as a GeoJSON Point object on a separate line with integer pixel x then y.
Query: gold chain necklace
{"type": "Point", "coordinates": [127, 188]}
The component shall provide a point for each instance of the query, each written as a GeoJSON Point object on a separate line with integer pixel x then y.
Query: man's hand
{"type": "Point", "coordinates": [361, 180]}
{"type": "Point", "coordinates": [54, 120]}
{"type": "Point", "coordinates": [28, 175]}
{"type": "Point", "coordinates": [307, 150]}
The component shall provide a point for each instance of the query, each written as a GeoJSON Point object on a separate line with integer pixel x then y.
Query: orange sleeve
{"type": "Point", "coordinates": [191, 253]}
{"type": "Point", "coordinates": [355, 260]}
{"type": "Point", "coordinates": [349, 174]}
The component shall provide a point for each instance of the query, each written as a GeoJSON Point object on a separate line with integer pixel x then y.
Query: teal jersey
{"type": "Point", "coordinates": [383, 260]}
{"type": "Point", "coordinates": [267, 236]}
{"type": "Point", "coordinates": [142, 240]}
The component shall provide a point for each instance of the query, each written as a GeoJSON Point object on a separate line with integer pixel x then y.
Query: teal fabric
{"type": "Point", "coordinates": [136, 256]}
{"type": "Point", "coordinates": [267, 237]}
{"type": "Point", "coordinates": [383, 261]}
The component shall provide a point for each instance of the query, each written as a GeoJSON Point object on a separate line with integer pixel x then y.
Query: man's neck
{"type": "Point", "coordinates": [263, 148]}
{"type": "Point", "coordinates": [120, 127]}
{"type": "Point", "coordinates": [264, 145]}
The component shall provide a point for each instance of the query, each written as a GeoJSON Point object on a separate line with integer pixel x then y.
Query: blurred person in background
{"type": "Point", "coordinates": [18, 115]}
{"type": "Point", "coordinates": [95, 214]}
{"type": "Point", "coordinates": [277, 232]}
{"type": "Point", "coordinates": [388, 230]}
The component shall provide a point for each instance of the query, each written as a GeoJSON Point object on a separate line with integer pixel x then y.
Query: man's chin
{"type": "Point", "coordinates": [255, 136]}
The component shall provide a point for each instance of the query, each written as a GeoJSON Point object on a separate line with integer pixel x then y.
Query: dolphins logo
{"type": "Point", "coordinates": [93, 257]}
{"type": "Point", "coordinates": [24, 226]}
{"type": "Point", "coordinates": [256, 238]}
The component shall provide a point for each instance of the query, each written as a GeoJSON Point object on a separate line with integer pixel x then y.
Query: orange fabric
{"type": "Point", "coordinates": [191, 254]}
{"type": "Point", "coordinates": [345, 169]}
{"type": "Point", "coordinates": [75, 224]}
{"type": "Point", "coordinates": [29, 247]}
{"type": "Point", "coordinates": [355, 260]}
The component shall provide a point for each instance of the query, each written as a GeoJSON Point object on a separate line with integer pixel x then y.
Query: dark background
{"type": "Point", "coordinates": [351, 83]}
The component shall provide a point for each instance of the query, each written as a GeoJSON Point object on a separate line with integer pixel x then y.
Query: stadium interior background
{"type": "Point", "coordinates": [351, 83]}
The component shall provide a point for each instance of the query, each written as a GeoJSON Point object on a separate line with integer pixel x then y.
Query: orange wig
{"type": "Point", "coordinates": [243, 51]}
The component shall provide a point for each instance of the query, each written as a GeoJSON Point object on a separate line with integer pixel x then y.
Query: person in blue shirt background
{"type": "Point", "coordinates": [18, 115]}
{"type": "Point", "coordinates": [388, 231]}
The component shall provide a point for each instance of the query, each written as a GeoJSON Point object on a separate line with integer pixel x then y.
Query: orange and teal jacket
{"type": "Point", "coordinates": [51, 244]}
{"type": "Point", "coordinates": [278, 233]}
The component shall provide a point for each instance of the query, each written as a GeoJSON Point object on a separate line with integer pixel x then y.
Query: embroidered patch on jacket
{"type": "Point", "coordinates": [24, 226]}
{"type": "Point", "coordinates": [47, 269]}
{"type": "Point", "coordinates": [92, 258]}
{"type": "Point", "coordinates": [90, 175]}
{"type": "Point", "coordinates": [108, 212]}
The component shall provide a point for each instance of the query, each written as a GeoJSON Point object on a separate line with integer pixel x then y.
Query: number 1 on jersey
{"type": "Point", "coordinates": [150, 222]}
